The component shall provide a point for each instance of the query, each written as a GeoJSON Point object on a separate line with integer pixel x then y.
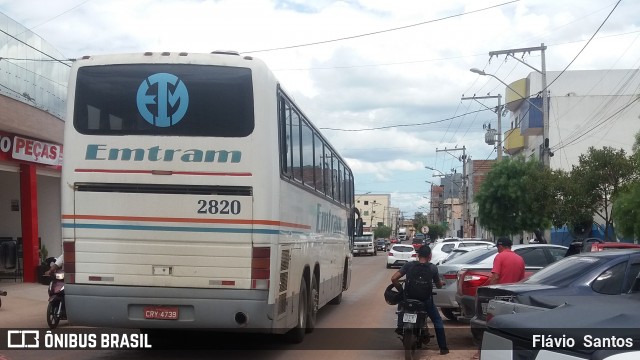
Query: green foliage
{"type": "Point", "coordinates": [600, 175]}
{"type": "Point", "coordinates": [573, 206]}
{"type": "Point", "coordinates": [436, 231]}
{"type": "Point", "coordinates": [419, 220]}
{"type": "Point", "coordinates": [382, 231]}
{"type": "Point", "coordinates": [626, 206]}
{"type": "Point", "coordinates": [626, 211]}
{"type": "Point", "coordinates": [44, 254]}
{"type": "Point", "coordinates": [515, 196]}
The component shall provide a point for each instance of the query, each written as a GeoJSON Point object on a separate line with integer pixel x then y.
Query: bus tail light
{"type": "Point", "coordinates": [260, 265]}
{"type": "Point", "coordinates": [69, 265]}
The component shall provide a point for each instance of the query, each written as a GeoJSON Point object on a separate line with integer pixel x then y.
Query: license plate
{"type": "Point", "coordinates": [410, 318]}
{"type": "Point", "coordinates": [161, 312]}
{"type": "Point", "coordinates": [484, 308]}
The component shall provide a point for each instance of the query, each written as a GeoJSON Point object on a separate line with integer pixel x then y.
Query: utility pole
{"type": "Point", "coordinates": [545, 153]}
{"type": "Point", "coordinates": [464, 185]}
{"type": "Point", "coordinates": [499, 112]}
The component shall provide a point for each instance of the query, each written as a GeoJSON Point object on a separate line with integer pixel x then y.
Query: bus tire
{"type": "Point", "coordinates": [296, 335]}
{"type": "Point", "coordinates": [314, 302]}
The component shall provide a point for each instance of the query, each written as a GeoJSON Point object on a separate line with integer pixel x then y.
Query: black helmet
{"type": "Point", "coordinates": [392, 296]}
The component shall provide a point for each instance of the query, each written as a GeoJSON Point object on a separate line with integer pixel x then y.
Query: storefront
{"type": "Point", "coordinates": [29, 203]}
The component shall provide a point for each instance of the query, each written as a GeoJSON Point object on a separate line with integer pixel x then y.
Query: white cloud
{"type": "Point", "coordinates": [413, 75]}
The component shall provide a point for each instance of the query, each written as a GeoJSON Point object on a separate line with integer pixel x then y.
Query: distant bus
{"type": "Point", "coordinates": [197, 194]}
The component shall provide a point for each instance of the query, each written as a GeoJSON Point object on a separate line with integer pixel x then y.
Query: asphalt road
{"type": "Point", "coordinates": [361, 327]}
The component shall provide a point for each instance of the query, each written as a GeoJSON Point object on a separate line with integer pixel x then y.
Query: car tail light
{"type": "Point", "coordinates": [469, 281]}
{"type": "Point", "coordinates": [489, 317]}
{"type": "Point", "coordinates": [260, 267]}
{"type": "Point", "coordinates": [390, 253]}
{"type": "Point", "coordinates": [451, 275]}
{"type": "Point", "coordinates": [414, 255]}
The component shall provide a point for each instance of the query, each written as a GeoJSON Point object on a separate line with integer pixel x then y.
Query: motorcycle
{"type": "Point", "coordinates": [415, 332]}
{"type": "Point", "coordinates": [56, 310]}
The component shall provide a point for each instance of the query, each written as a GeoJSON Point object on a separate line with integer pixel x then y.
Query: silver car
{"type": "Point", "coordinates": [445, 298]}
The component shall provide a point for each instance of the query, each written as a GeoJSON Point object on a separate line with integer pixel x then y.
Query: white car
{"type": "Point", "coordinates": [440, 251]}
{"type": "Point", "coordinates": [400, 254]}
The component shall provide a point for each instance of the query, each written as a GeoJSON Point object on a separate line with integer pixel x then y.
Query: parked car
{"type": "Point", "coordinates": [460, 251]}
{"type": "Point", "coordinates": [446, 298]}
{"type": "Point", "coordinates": [595, 244]}
{"type": "Point", "coordinates": [598, 274]}
{"type": "Point", "coordinates": [470, 276]}
{"type": "Point", "coordinates": [583, 319]}
{"type": "Point", "coordinates": [439, 251]}
{"type": "Point", "coordinates": [381, 244]}
{"type": "Point", "coordinates": [400, 254]}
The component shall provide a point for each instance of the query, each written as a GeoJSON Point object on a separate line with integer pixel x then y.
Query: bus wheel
{"type": "Point", "coordinates": [296, 335]}
{"type": "Point", "coordinates": [314, 300]}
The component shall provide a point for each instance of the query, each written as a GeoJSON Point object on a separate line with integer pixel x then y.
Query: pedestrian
{"type": "Point", "coordinates": [55, 265]}
{"type": "Point", "coordinates": [508, 267]}
{"type": "Point", "coordinates": [423, 268]}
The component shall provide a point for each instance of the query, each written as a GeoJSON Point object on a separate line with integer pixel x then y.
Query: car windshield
{"type": "Point", "coordinates": [380, 241]}
{"type": "Point", "coordinates": [563, 272]}
{"type": "Point", "coordinates": [473, 257]}
{"type": "Point", "coordinates": [402, 249]}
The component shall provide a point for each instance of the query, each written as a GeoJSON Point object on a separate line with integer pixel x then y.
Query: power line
{"type": "Point", "coordinates": [584, 47]}
{"type": "Point", "coordinates": [404, 125]}
{"type": "Point", "coordinates": [378, 32]}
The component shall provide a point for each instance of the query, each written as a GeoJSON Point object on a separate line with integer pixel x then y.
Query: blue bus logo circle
{"type": "Point", "coordinates": [165, 100]}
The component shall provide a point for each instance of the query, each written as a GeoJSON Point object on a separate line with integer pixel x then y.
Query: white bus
{"type": "Point", "coordinates": [197, 195]}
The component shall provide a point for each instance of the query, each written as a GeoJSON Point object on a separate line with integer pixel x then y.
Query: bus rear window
{"type": "Point", "coordinates": [164, 99]}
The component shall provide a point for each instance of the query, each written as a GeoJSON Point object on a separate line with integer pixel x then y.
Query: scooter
{"type": "Point", "coordinates": [56, 310]}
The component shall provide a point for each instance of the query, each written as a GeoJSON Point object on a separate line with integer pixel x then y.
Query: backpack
{"type": "Point", "coordinates": [419, 283]}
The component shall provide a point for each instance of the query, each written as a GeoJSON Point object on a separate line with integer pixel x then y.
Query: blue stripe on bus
{"type": "Point", "coordinates": [171, 228]}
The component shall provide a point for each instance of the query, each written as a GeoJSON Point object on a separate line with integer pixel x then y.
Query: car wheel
{"type": "Point", "coordinates": [448, 313]}
{"type": "Point", "coordinates": [388, 266]}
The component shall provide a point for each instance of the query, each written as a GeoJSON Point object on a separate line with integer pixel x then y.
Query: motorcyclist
{"type": "Point", "coordinates": [424, 258]}
{"type": "Point", "coordinates": [55, 265]}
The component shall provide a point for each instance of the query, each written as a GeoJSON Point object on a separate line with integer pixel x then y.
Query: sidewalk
{"type": "Point", "coordinates": [25, 305]}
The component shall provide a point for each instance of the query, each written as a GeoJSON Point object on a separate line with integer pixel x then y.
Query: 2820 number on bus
{"type": "Point", "coordinates": [222, 207]}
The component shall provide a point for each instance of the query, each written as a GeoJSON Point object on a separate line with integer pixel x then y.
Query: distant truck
{"type": "Point", "coordinates": [364, 244]}
{"type": "Point", "coordinates": [402, 234]}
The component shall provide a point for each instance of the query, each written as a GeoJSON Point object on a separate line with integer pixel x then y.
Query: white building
{"type": "Point", "coordinates": [586, 108]}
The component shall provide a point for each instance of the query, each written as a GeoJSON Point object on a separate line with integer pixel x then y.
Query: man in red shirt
{"type": "Point", "coordinates": [508, 267]}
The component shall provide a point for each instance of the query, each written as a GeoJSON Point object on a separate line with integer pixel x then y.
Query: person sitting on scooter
{"type": "Point", "coordinates": [55, 265]}
{"type": "Point", "coordinates": [410, 270]}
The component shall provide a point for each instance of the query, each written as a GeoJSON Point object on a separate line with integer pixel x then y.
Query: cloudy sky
{"type": "Point", "coordinates": [383, 79]}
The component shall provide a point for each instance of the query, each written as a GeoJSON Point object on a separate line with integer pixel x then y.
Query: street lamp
{"type": "Point", "coordinates": [434, 169]}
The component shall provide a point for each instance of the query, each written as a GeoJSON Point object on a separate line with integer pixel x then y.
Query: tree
{"type": "Point", "coordinates": [436, 231]}
{"type": "Point", "coordinates": [626, 211]}
{"type": "Point", "coordinates": [626, 206]}
{"type": "Point", "coordinates": [572, 206]}
{"type": "Point", "coordinates": [600, 174]}
{"type": "Point", "coordinates": [382, 231]}
{"type": "Point", "coordinates": [515, 196]}
{"type": "Point", "coordinates": [419, 220]}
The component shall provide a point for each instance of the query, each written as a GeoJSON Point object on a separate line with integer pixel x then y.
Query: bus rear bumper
{"type": "Point", "coordinates": [212, 309]}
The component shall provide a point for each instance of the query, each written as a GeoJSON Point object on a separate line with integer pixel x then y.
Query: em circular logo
{"type": "Point", "coordinates": [165, 99]}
